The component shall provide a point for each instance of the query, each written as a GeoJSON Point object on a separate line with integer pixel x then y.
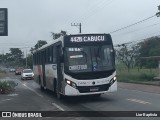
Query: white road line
{"type": "Point", "coordinates": [139, 101]}
{"type": "Point", "coordinates": [2, 101]}
{"type": "Point", "coordinates": [31, 89]}
{"type": "Point", "coordinates": [6, 100]}
{"type": "Point", "coordinates": [57, 106]}
{"type": "Point", "coordinates": [12, 94]}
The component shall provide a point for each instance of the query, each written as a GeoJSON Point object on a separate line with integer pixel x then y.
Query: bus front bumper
{"type": "Point", "coordinates": [90, 90]}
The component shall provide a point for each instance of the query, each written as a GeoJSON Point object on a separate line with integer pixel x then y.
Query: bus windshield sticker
{"type": "Point", "coordinates": [78, 67]}
{"type": "Point", "coordinates": [76, 56]}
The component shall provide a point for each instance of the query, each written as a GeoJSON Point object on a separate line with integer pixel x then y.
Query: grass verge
{"type": "Point", "coordinates": [136, 75]}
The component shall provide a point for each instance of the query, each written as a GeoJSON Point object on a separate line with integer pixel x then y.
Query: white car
{"type": "Point", "coordinates": [27, 74]}
{"type": "Point", "coordinates": [12, 70]}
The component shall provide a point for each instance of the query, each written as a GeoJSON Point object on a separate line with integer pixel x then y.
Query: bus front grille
{"type": "Point", "coordinates": [97, 88]}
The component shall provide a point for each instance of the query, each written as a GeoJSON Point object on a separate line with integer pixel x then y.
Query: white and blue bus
{"type": "Point", "coordinates": [73, 65]}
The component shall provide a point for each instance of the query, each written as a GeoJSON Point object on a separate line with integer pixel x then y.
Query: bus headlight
{"type": "Point", "coordinates": [113, 80]}
{"type": "Point", "coordinates": [71, 83]}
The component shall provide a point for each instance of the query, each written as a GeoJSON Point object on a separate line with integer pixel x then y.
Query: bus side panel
{"type": "Point", "coordinates": [36, 72]}
{"type": "Point", "coordinates": [50, 72]}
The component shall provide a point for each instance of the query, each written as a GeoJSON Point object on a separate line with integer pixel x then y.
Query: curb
{"type": "Point", "coordinates": [144, 83]}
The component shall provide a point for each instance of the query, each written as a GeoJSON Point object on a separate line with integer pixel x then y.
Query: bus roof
{"type": "Point", "coordinates": [48, 44]}
{"type": "Point", "coordinates": [61, 39]}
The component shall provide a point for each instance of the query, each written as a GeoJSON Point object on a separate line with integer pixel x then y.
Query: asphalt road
{"type": "Point", "coordinates": [129, 97]}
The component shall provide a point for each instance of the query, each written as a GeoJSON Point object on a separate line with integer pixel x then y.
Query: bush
{"type": "Point", "coordinates": [2, 71]}
{"type": "Point", "coordinates": [148, 77]}
{"type": "Point", "coordinates": [5, 87]}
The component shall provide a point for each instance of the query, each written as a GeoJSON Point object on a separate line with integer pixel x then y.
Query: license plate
{"type": "Point", "coordinates": [94, 89]}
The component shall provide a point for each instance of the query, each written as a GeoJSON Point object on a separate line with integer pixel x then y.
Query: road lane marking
{"type": "Point", "coordinates": [31, 89]}
{"type": "Point", "coordinates": [5, 100]}
{"type": "Point", "coordinates": [57, 106]}
{"type": "Point", "coordinates": [139, 101]}
{"type": "Point", "coordinates": [12, 94]}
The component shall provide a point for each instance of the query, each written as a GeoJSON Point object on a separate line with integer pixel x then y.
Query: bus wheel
{"type": "Point", "coordinates": [59, 96]}
{"type": "Point", "coordinates": [41, 87]}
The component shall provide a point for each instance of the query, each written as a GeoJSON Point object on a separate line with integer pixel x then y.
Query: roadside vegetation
{"type": "Point", "coordinates": [136, 74]}
{"type": "Point", "coordinates": [2, 73]}
{"type": "Point", "coordinates": [7, 86]}
{"type": "Point", "coordinates": [138, 62]}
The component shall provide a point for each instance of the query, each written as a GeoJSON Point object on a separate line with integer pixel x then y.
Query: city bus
{"type": "Point", "coordinates": [75, 65]}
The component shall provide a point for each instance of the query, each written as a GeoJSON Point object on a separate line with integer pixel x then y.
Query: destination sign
{"type": "Point", "coordinates": [98, 38]}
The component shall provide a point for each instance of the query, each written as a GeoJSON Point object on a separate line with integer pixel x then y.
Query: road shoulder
{"type": "Point", "coordinates": [139, 87]}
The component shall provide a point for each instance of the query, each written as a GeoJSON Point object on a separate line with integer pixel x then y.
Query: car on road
{"type": "Point", "coordinates": [27, 74]}
{"type": "Point", "coordinates": [11, 70]}
{"type": "Point", "coordinates": [18, 71]}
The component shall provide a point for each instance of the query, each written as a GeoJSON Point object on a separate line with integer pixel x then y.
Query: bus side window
{"type": "Point", "coordinates": [36, 59]}
{"type": "Point", "coordinates": [50, 55]}
{"type": "Point", "coordinates": [45, 56]}
{"type": "Point", "coordinates": [54, 54]}
{"type": "Point", "coordinates": [40, 57]}
{"type": "Point", "coordinates": [33, 59]}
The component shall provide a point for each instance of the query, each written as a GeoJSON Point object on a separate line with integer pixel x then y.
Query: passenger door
{"type": "Point", "coordinates": [59, 69]}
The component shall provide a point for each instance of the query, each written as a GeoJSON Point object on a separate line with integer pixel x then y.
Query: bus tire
{"type": "Point", "coordinates": [59, 96]}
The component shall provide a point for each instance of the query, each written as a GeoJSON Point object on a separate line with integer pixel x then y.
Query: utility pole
{"type": "Point", "coordinates": [26, 58]}
{"type": "Point", "coordinates": [77, 24]}
{"type": "Point", "coordinates": [158, 13]}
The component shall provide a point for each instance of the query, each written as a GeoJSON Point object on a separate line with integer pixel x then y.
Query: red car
{"type": "Point", "coordinates": [18, 71]}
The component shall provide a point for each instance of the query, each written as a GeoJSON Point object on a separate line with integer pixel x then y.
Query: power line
{"type": "Point", "coordinates": [149, 26]}
{"type": "Point", "coordinates": [135, 41]}
{"type": "Point", "coordinates": [132, 24]}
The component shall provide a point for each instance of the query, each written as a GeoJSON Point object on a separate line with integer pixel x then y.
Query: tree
{"type": "Point", "coordinates": [149, 47]}
{"type": "Point", "coordinates": [127, 54]}
{"type": "Point", "coordinates": [57, 35]}
{"type": "Point", "coordinates": [1, 58]}
{"type": "Point", "coordinates": [14, 58]}
{"type": "Point", "coordinates": [39, 44]}
{"type": "Point", "coordinates": [16, 54]}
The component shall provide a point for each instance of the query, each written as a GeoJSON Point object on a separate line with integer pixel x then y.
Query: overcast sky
{"type": "Point", "coordinates": [33, 20]}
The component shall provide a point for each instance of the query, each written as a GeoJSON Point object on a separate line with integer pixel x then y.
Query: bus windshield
{"type": "Point", "coordinates": [89, 58]}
